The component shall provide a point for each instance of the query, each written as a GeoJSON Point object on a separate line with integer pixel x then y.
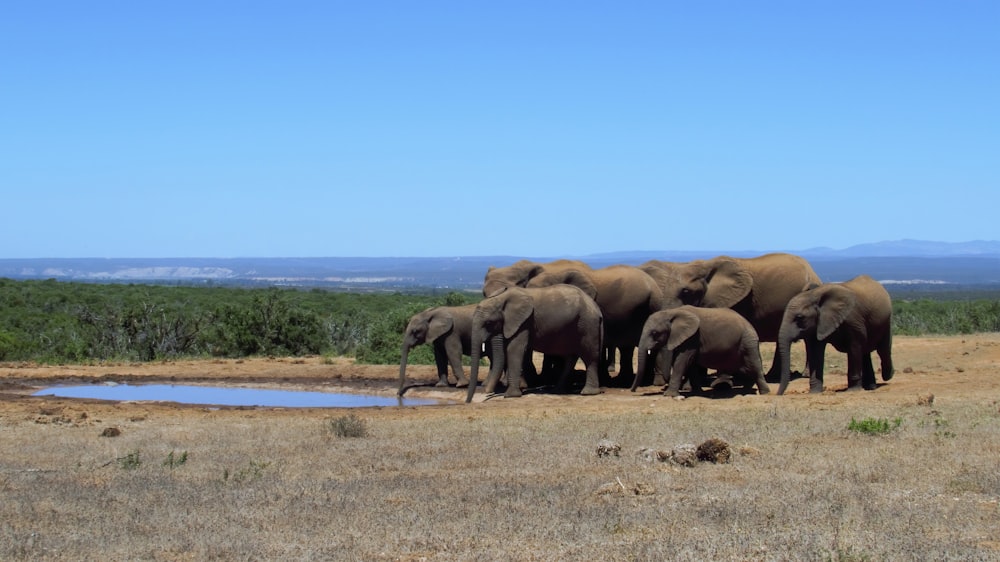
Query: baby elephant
{"type": "Point", "coordinates": [708, 338]}
{"type": "Point", "coordinates": [854, 316]}
{"type": "Point", "coordinates": [449, 330]}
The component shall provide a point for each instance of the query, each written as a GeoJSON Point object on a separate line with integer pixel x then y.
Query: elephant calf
{"type": "Point", "coordinates": [449, 330]}
{"type": "Point", "coordinates": [854, 316]}
{"type": "Point", "coordinates": [710, 338]}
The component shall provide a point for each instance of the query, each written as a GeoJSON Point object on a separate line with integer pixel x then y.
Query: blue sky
{"type": "Point", "coordinates": [288, 129]}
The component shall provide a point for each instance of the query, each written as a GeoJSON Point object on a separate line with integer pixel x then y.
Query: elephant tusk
{"type": "Point", "coordinates": [484, 347]}
{"type": "Point", "coordinates": [649, 352]}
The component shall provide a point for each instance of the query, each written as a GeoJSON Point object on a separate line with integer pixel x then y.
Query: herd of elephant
{"type": "Point", "coordinates": [684, 318]}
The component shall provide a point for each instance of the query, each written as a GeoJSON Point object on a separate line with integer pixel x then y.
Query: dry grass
{"type": "Point", "coordinates": [516, 479]}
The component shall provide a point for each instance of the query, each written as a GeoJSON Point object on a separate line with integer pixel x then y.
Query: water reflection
{"type": "Point", "coordinates": [222, 396]}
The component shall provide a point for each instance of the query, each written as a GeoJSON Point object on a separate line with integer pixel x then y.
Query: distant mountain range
{"type": "Point", "coordinates": [901, 262]}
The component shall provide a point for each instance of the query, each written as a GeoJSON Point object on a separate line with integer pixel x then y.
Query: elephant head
{"type": "Point", "coordinates": [423, 327]}
{"type": "Point", "coordinates": [497, 319]}
{"type": "Point", "coordinates": [814, 314]}
{"type": "Point", "coordinates": [498, 279]}
{"type": "Point", "coordinates": [716, 283]}
{"type": "Point", "coordinates": [663, 332]}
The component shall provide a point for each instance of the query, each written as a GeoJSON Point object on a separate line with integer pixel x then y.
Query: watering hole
{"type": "Point", "coordinates": [229, 396]}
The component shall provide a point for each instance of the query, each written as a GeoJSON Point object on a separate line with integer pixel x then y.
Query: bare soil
{"type": "Point", "coordinates": [953, 368]}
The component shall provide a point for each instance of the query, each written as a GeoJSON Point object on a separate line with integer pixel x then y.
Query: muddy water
{"type": "Point", "coordinates": [229, 396]}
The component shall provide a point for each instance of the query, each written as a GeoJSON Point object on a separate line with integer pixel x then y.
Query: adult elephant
{"type": "Point", "coordinates": [709, 338]}
{"type": "Point", "coordinates": [854, 316]}
{"type": "Point", "coordinates": [757, 288]}
{"type": "Point", "coordinates": [560, 320]}
{"type": "Point", "coordinates": [625, 294]}
{"type": "Point", "coordinates": [518, 274]}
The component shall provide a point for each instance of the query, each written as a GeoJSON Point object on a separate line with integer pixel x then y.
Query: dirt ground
{"type": "Point", "coordinates": [952, 368]}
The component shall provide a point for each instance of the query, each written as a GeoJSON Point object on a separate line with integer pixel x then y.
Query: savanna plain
{"type": "Point", "coordinates": [910, 471]}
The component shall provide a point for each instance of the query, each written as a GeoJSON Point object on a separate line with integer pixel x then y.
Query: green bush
{"type": "Point", "coordinates": [925, 316]}
{"type": "Point", "coordinates": [874, 426]}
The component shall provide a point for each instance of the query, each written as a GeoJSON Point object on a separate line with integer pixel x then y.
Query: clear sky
{"type": "Point", "coordinates": [539, 128]}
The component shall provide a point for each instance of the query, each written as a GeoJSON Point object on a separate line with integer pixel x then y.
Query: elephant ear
{"type": "Point", "coordinates": [439, 325]}
{"type": "Point", "coordinates": [517, 310]}
{"type": "Point", "coordinates": [682, 328]}
{"type": "Point", "coordinates": [533, 270]}
{"type": "Point", "coordinates": [728, 283]}
{"type": "Point", "coordinates": [835, 304]}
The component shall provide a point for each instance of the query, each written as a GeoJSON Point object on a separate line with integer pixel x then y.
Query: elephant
{"type": "Point", "coordinates": [518, 274]}
{"type": "Point", "coordinates": [757, 288]}
{"type": "Point", "coordinates": [560, 320]}
{"type": "Point", "coordinates": [449, 330]}
{"type": "Point", "coordinates": [854, 316]}
{"type": "Point", "coordinates": [625, 294]}
{"type": "Point", "coordinates": [498, 279]}
{"type": "Point", "coordinates": [705, 338]}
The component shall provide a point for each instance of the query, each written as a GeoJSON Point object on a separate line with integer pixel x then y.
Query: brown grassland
{"type": "Point", "coordinates": [505, 479]}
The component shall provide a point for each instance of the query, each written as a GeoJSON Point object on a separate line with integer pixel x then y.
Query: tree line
{"type": "Point", "coordinates": [66, 322]}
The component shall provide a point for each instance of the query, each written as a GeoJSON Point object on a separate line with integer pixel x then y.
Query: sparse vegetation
{"type": "Point", "coordinates": [509, 482]}
{"type": "Point", "coordinates": [130, 461]}
{"type": "Point", "coordinates": [874, 426]}
{"type": "Point", "coordinates": [173, 461]}
{"type": "Point", "coordinates": [348, 426]}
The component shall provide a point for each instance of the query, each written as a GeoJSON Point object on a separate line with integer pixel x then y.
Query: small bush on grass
{"type": "Point", "coordinates": [348, 426]}
{"type": "Point", "coordinates": [874, 426]}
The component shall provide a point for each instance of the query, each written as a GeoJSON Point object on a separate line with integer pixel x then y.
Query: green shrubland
{"type": "Point", "coordinates": [59, 322]}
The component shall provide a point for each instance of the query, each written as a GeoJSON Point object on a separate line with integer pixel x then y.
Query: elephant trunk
{"type": "Point", "coordinates": [641, 366]}
{"type": "Point", "coordinates": [402, 367]}
{"type": "Point", "coordinates": [475, 355]}
{"type": "Point", "coordinates": [784, 360]}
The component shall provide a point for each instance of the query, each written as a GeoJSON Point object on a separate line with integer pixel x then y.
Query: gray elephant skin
{"type": "Point", "coordinates": [757, 288]}
{"type": "Point", "coordinates": [560, 320]}
{"type": "Point", "coordinates": [625, 294]}
{"type": "Point", "coordinates": [449, 330]}
{"type": "Point", "coordinates": [854, 316]}
{"type": "Point", "coordinates": [709, 338]}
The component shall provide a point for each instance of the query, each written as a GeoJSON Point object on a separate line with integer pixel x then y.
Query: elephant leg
{"type": "Point", "coordinates": [453, 347]}
{"type": "Point", "coordinates": [816, 359]}
{"type": "Point", "coordinates": [441, 359]}
{"type": "Point", "coordinates": [517, 349]}
{"type": "Point", "coordinates": [756, 373]}
{"type": "Point", "coordinates": [682, 363]}
{"type": "Point", "coordinates": [566, 371]}
{"type": "Point", "coordinates": [661, 370]}
{"type": "Point", "coordinates": [884, 349]}
{"type": "Point", "coordinates": [855, 366]}
{"type": "Point", "coordinates": [868, 372]}
{"type": "Point", "coordinates": [592, 385]}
